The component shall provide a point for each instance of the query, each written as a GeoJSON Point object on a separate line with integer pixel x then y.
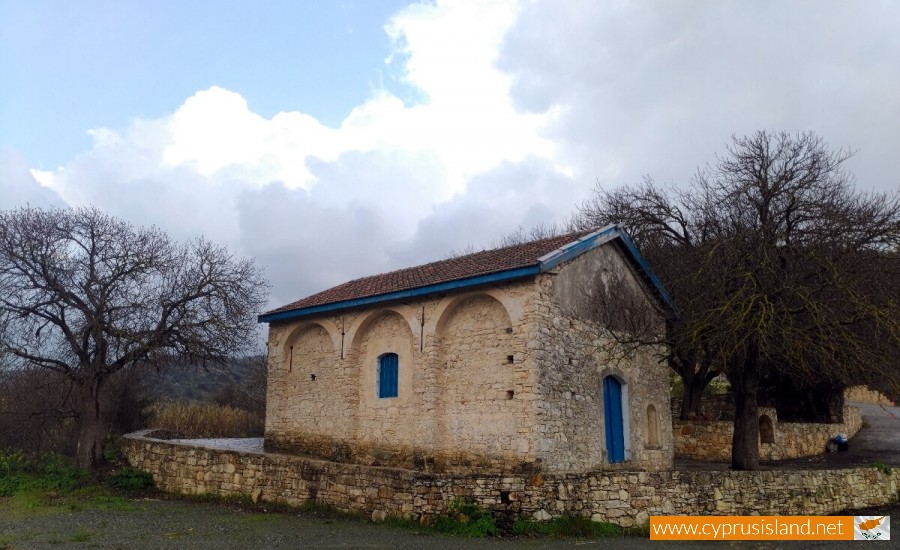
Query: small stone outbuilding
{"type": "Point", "coordinates": [485, 362]}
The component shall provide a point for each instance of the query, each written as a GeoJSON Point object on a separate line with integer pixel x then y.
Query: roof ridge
{"type": "Point", "coordinates": [456, 258]}
{"type": "Point", "coordinates": [494, 264]}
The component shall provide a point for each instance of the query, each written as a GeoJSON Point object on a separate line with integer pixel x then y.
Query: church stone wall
{"type": "Point", "coordinates": [503, 378]}
{"type": "Point", "coordinates": [571, 353]}
{"type": "Point", "coordinates": [465, 398]}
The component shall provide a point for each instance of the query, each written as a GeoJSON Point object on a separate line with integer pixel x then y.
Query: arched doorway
{"type": "Point", "coordinates": [613, 419]}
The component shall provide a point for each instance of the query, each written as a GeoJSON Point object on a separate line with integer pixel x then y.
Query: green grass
{"type": "Point", "coordinates": [465, 518]}
{"type": "Point", "coordinates": [82, 535]}
{"type": "Point", "coordinates": [52, 485]}
{"type": "Point", "coordinates": [566, 526]}
{"type": "Point", "coordinates": [883, 468]}
{"type": "Point", "coordinates": [131, 479]}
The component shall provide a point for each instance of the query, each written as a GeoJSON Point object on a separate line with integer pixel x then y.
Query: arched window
{"type": "Point", "coordinates": [387, 375]}
{"type": "Point", "coordinates": [652, 427]}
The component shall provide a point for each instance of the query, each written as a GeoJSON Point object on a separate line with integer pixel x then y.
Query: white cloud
{"type": "Point", "coordinates": [395, 184]}
{"type": "Point", "coordinates": [20, 186]}
{"type": "Point", "coordinates": [585, 91]}
{"type": "Point", "coordinates": [658, 87]}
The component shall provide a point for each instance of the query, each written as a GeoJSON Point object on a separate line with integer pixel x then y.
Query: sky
{"type": "Point", "coordinates": [333, 140]}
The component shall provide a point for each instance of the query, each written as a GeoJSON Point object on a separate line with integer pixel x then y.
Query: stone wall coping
{"type": "Point", "coordinates": [626, 498]}
{"type": "Point", "coordinates": [711, 473]}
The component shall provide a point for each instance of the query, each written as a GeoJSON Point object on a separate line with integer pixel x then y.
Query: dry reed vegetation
{"type": "Point", "coordinates": [198, 420]}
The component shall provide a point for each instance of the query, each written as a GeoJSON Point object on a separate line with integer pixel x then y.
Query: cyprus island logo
{"type": "Point", "coordinates": [871, 528]}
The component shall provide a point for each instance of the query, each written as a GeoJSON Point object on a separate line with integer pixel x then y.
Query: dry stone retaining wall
{"type": "Point", "coordinates": [712, 440]}
{"type": "Point", "coordinates": [622, 497]}
{"type": "Point", "coordinates": [863, 394]}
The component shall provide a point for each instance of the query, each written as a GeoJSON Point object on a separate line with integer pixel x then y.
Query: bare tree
{"type": "Point", "coordinates": [86, 295]}
{"type": "Point", "coordinates": [790, 270]}
{"type": "Point", "coordinates": [534, 233]}
{"type": "Point", "coordinates": [671, 234]}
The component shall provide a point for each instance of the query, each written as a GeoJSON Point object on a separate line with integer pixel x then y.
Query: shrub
{"type": "Point", "coordinates": [193, 419]}
{"type": "Point", "coordinates": [467, 519]}
{"type": "Point", "coordinates": [131, 479]}
{"type": "Point", "coordinates": [50, 473]}
{"type": "Point", "coordinates": [57, 473]}
{"type": "Point", "coordinates": [36, 405]}
{"type": "Point", "coordinates": [12, 469]}
{"type": "Point", "coordinates": [12, 461]}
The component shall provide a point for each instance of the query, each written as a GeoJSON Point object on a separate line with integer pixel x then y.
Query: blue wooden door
{"type": "Point", "coordinates": [612, 409]}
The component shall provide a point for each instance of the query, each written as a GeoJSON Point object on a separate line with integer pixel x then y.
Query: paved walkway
{"type": "Point", "coordinates": [245, 445]}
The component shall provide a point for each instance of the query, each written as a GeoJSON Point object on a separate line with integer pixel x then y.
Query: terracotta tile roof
{"type": "Point", "coordinates": [453, 269]}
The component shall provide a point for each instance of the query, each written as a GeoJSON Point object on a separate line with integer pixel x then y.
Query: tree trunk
{"type": "Point", "coordinates": [693, 394]}
{"type": "Point", "coordinates": [745, 442]}
{"type": "Point", "coordinates": [92, 427]}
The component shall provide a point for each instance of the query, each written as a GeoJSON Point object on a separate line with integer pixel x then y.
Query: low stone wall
{"type": "Point", "coordinates": [712, 440]}
{"type": "Point", "coordinates": [626, 498]}
{"type": "Point", "coordinates": [712, 406]}
{"type": "Point", "coordinates": [863, 394]}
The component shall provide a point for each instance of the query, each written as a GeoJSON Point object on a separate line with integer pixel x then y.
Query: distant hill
{"type": "Point", "coordinates": [190, 383]}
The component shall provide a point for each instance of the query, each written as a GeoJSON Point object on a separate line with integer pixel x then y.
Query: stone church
{"type": "Point", "coordinates": [483, 362]}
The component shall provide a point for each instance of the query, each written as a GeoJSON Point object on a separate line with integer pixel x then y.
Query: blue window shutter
{"type": "Point", "coordinates": [387, 375]}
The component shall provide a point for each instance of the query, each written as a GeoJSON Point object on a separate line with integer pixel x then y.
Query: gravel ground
{"type": "Point", "coordinates": [165, 523]}
{"type": "Point", "coordinates": [177, 524]}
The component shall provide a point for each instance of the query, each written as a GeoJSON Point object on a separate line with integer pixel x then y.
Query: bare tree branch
{"type": "Point", "coordinates": [87, 295]}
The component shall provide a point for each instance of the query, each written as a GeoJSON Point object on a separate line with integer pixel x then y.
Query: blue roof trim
{"type": "Point", "coordinates": [645, 268]}
{"type": "Point", "coordinates": [600, 237]}
{"type": "Point", "coordinates": [500, 276]}
{"type": "Point", "coordinates": [545, 263]}
{"type": "Point", "coordinates": [579, 247]}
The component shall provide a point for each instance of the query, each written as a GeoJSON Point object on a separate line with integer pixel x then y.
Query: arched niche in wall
{"type": "Point", "coordinates": [356, 333]}
{"type": "Point", "coordinates": [310, 344]}
{"type": "Point", "coordinates": [766, 429]}
{"type": "Point", "coordinates": [476, 365]}
{"type": "Point", "coordinates": [512, 311]}
{"type": "Point", "coordinates": [652, 427]}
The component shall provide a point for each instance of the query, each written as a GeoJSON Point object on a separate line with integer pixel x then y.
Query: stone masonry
{"type": "Point", "coordinates": [863, 394]}
{"type": "Point", "coordinates": [712, 440]}
{"type": "Point", "coordinates": [502, 378]}
{"type": "Point", "coordinates": [623, 497]}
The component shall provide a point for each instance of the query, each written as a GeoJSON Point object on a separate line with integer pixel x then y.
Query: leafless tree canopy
{"type": "Point", "coordinates": [672, 235]}
{"type": "Point", "coordinates": [777, 264]}
{"type": "Point", "coordinates": [86, 295]}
